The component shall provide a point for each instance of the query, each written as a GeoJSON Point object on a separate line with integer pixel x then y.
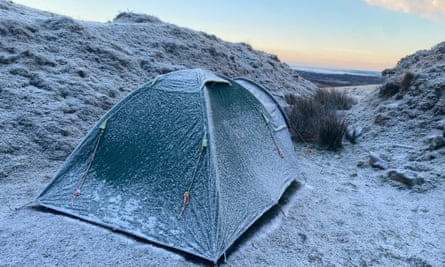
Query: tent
{"type": "Point", "coordinates": [189, 161]}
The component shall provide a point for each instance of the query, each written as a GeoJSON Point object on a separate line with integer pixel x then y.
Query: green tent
{"type": "Point", "coordinates": [189, 161]}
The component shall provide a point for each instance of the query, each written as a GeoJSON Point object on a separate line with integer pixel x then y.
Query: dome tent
{"type": "Point", "coordinates": [189, 161]}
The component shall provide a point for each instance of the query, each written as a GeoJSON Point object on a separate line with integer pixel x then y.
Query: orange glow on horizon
{"type": "Point", "coordinates": [337, 59]}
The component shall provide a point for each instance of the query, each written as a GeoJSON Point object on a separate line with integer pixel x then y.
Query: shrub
{"type": "Point", "coordinates": [392, 86]}
{"type": "Point", "coordinates": [334, 99]}
{"type": "Point", "coordinates": [389, 89]}
{"type": "Point", "coordinates": [331, 132]}
{"type": "Point", "coordinates": [315, 119]}
{"type": "Point", "coordinates": [406, 80]}
{"type": "Point", "coordinates": [304, 114]}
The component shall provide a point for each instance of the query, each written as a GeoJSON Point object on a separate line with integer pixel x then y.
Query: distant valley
{"type": "Point", "coordinates": [324, 77]}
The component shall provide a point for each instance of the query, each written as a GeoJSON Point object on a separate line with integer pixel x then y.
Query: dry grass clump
{"type": "Point", "coordinates": [332, 130]}
{"type": "Point", "coordinates": [304, 117]}
{"type": "Point", "coordinates": [406, 80]}
{"type": "Point", "coordinates": [389, 89]}
{"type": "Point", "coordinates": [315, 119]}
{"type": "Point", "coordinates": [394, 86]}
{"type": "Point", "coordinates": [334, 99]}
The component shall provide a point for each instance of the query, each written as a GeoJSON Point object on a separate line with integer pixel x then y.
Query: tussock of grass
{"type": "Point", "coordinates": [394, 86]}
{"type": "Point", "coordinates": [331, 132]}
{"type": "Point", "coordinates": [389, 89]}
{"type": "Point", "coordinates": [334, 99]}
{"type": "Point", "coordinates": [315, 119]}
{"type": "Point", "coordinates": [406, 80]}
{"type": "Point", "coordinates": [304, 114]}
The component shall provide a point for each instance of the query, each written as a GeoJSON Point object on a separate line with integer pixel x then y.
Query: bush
{"type": "Point", "coordinates": [389, 89]}
{"type": "Point", "coordinates": [315, 119]}
{"type": "Point", "coordinates": [406, 80]}
{"type": "Point", "coordinates": [393, 86]}
{"type": "Point", "coordinates": [334, 99]}
{"type": "Point", "coordinates": [331, 132]}
{"type": "Point", "coordinates": [304, 114]}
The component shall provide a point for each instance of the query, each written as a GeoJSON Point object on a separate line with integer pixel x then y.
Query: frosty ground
{"type": "Point", "coordinates": [58, 76]}
{"type": "Point", "coordinates": [339, 214]}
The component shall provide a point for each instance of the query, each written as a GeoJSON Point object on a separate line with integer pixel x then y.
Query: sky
{"type": "Point", "coordinates": [351, 34]}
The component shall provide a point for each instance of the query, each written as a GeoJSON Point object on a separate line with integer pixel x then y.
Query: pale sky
{"type": "Point", "coordinates": [358, 34]}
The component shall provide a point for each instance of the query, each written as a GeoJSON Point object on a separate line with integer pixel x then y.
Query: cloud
{"type": "Point", "coordinates": [431, 9]}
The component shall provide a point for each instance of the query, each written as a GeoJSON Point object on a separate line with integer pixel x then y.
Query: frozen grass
{"type": "Point", "coordinates": [394, 85]}
{"type": "Point", "coordinates": [315, 119]}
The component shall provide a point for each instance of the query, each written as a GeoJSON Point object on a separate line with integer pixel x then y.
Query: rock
{"type": "Point", "coordinates": [352, 133]}
{"type": "Point", "coordinates": [418, 262]}
{"type": "Point", "coordinates": [377, 162]}
{"type": "Point", "coordinates": [406, 177]}
{"type": "Point", "coordinates": [381, 119]}
{"type": "Point", "coordinates": [428, 156]}
{"type": "Point", "coordinates": [418, 167]}
{"type": "Point", "coordinates": [360, 164]}
{"type": "Point", "coordinates": [435, 142]}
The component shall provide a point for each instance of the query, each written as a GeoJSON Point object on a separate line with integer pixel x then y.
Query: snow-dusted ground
{"type": "Point", "coordinates": [341, 215]}
{"type": "Point", "coordinates": [58, 76]}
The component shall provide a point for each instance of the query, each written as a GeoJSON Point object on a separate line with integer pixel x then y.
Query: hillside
{"type": "Point", "coordinates": [417, 86]}
{"type": "Point", "coordinates": [59, 75]}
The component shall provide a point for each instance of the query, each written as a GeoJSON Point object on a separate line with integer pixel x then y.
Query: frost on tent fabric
{"type": "Point", "coordinates": [190, 161]}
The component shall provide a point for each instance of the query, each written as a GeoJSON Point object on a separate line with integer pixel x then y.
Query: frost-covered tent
{"type": "Point", "coordinates": [188, 161]}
